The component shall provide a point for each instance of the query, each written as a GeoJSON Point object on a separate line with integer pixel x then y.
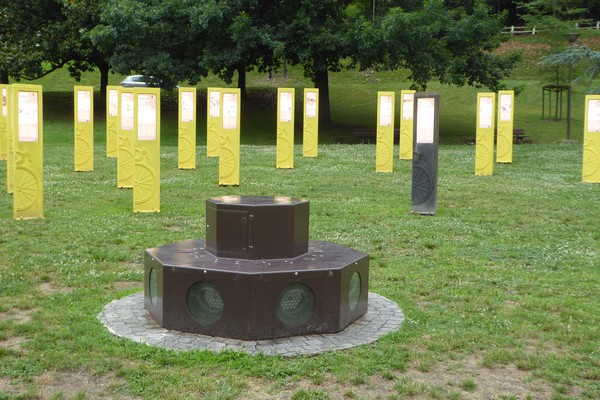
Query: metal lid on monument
{"type": "Point", "coordinates": [257, 227]}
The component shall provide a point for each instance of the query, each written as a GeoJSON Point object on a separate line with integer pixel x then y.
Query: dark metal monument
{"type": "Point", "coordinates": [256, 276]}
{"type": "Point", "coordinates": [425, 153]}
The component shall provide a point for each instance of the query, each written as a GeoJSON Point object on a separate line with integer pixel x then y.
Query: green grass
{"type": "Point", "coordinates": [350, 113]}
{"type": "Point", "coordinates": [505, 272]}
{"type": "Point", "coordinates": [502, 282]}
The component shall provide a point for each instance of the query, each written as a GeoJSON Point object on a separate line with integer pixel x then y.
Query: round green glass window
{"type": "Point", "coordinates": [153, 287]}
{"type": "Point", "coordinates": [295, 304]}
{"type": "Point", "coordinates": [354, 291]}
{"type": "Point", "coordinates": [205, 303]}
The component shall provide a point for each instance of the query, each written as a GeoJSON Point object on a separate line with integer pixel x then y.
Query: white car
{"type": "Point", "coordinates": [138, 81]}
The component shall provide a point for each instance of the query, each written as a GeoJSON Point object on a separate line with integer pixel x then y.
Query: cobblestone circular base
{"type": "Point", "coordinates": [127, 318]}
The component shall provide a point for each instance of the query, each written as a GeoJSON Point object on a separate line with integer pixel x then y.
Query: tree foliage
{"type": "Point", "coordinates": [151, 38]}
{"type": "Point", "coordinates": [579, 55]}
{"type": "Point", "coordinates": [314, 35]}
{"type": "Point", "coordinates": [39, 36]}
{"type": "Point", "coordinates": [555, 17]}
{"type": "Point", "coordinates": [31, 34]}
{"type": "Point", "coordinates": [184, 40]}
{"type": "Point", "coordinates": [453, 45]}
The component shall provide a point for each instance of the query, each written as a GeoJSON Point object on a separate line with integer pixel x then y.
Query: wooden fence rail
{"type": "Point", "coordinates": [523, 30]}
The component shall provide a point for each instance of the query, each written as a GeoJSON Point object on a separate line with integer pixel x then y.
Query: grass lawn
{"type": "Point", "coordinates": [499, 288]}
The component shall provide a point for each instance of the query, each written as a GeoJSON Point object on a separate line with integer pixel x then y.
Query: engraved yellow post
{"type": "Point", "coordinates": [310, 138]}
{"type": "Point", "coordinates": [10, 142]}
{"type": "Point", "coordinates": [125, 137]}
{"type": "Point", "coordinates": [4, 123]}
{"type": "Point", "coordinates": [504, 146]}
{"type": "Point", "coordinates": [186, 153]}
{"type": "Point", "coordinates": [384, 148]}
{"type": "Point", "coordinates": [591, 140]}
{"type": "Point", "coordinates": [484, 146]}
{"type": "Point", "coordinates": [146, 170]}
{"type": "Point", "coordinates": [84, 128]}
{"type": "Point", "coordinates": [112, 120]}
{"type": "Point", "coordinates": [214, 122]}
{"type": "Point", "coordinates": [229, 154]}
{"type": "Point", "coordinates": [285, 128]}
{"type": "Point", "coordinates": [406, 124]}
{"type": "Point", "coordinates": [28, 196]}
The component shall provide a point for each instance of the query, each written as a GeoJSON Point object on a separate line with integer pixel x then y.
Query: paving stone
{"type": "Point", "coordinates": [127, 318]}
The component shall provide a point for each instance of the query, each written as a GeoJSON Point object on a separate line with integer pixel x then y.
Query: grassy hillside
{"type": "Point", "coordinates": [353, 100]}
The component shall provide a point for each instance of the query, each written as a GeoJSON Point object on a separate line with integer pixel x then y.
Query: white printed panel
{"type": "Point", "coordinates": [486, 112]}
{"type": "Point", "coordinates": [230, 111]}
{"type": "Point", "coordinates": [386, 111]}
{"type": "Point", "coordinates": [408, 101]}
{"type": "Point", "coordinates": [28, 119]}
{"type": "Point", "coordinates": [127, 111]}
{"type": "Point", "coordinates": [425, 120]}
{"type": "Point", "coordinates": [4, 102]}
{"type": "Point", "coordinates": [146, 116]}
{"type": "Point", "coordinates": [506, 107]}
{"type": "Point", "coordinates": [311, 104]}
{"type": "Point", "coordinates": [113, 103]}
{"type": "Point", "coordinates": [593, 117]}
{"type": "Point", "coordinates": [286, 102]}
{"type": "Point", "coordinates": [187, 106]}
{"type": "Point", "coordinates": [84, 106]}
{"type": "Point", "coordinates": [215, 103]}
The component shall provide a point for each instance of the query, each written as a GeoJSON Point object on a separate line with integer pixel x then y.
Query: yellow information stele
{"type": "Point", "coordinates": [285, 128]}
{"type": "Point", "coordinates": [125, 138]}
{"type": "Point", "coordinates": [591, 140]}
{"type": "Point", "coordinates": [229, 153]}
{"type": "Point", "coordinates": [484, 145]}
{"type": "Point", "coordinates": [504, 146]}
{"type": "Point", "coordinates": [84, 128]}
{"type": "Point", "coordinates": [384, 148]}
{"type": "Point", "coordinates": [186, 154]}
{"type": "Point", "coordinates": [112, 121]}
{"type": "Point", "coordinates": [406, 124]}
{"type": "Point", "coordinates": [26, 110]}
{"type": "Point", "coordinates": [310, 138]}
{"type": "Point", "coordinates": [4, 123]}
{"type": "Point", "coordinates": [10, 142]}
{"type": "Point", "coordinates": [146, 172]}
{"type": "Point", "coordinates": [214, 122]}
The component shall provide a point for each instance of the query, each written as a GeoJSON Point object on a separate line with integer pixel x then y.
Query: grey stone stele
{"type": "Point", "coordinates": [127, 318]}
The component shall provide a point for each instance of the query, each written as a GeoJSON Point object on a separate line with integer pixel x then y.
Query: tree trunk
{"type": "Point", "coordinates": [4, 77]}
{"type": "Point", "coordinates": [321, 81]}
{"type": "Point", "coordinates": [242, 80]}
{"type": "Point", "coordinates": [104, 70]}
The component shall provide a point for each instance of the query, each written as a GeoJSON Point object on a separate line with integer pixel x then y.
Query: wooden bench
{"type": "Point", "coordinates": [368, 136]}
{"type": "Point", "coordinates": [519, 135]}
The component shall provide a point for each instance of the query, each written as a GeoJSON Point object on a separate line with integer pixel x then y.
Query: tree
{"type": "Point", "coordinates": [239, 36]}
{"type": "Point", "coordinates": [453, 45]}
{"type": "Point", "coordinates": [184, 40]}
{"type": "Point", "coordinates": [81, 17]}
{"type": "Point", "coordinates": [29, 34]}
{"type": "Point", "coordinates": [314, 35]}
{"type": "Point", "coordinates": [151, 38]}
{"type": "Point", "coordinates": [554, 17]}
{"type": "Point", "coordinates": [579, 55]}
{"type": "Point", "coordinates": [41, 36]}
